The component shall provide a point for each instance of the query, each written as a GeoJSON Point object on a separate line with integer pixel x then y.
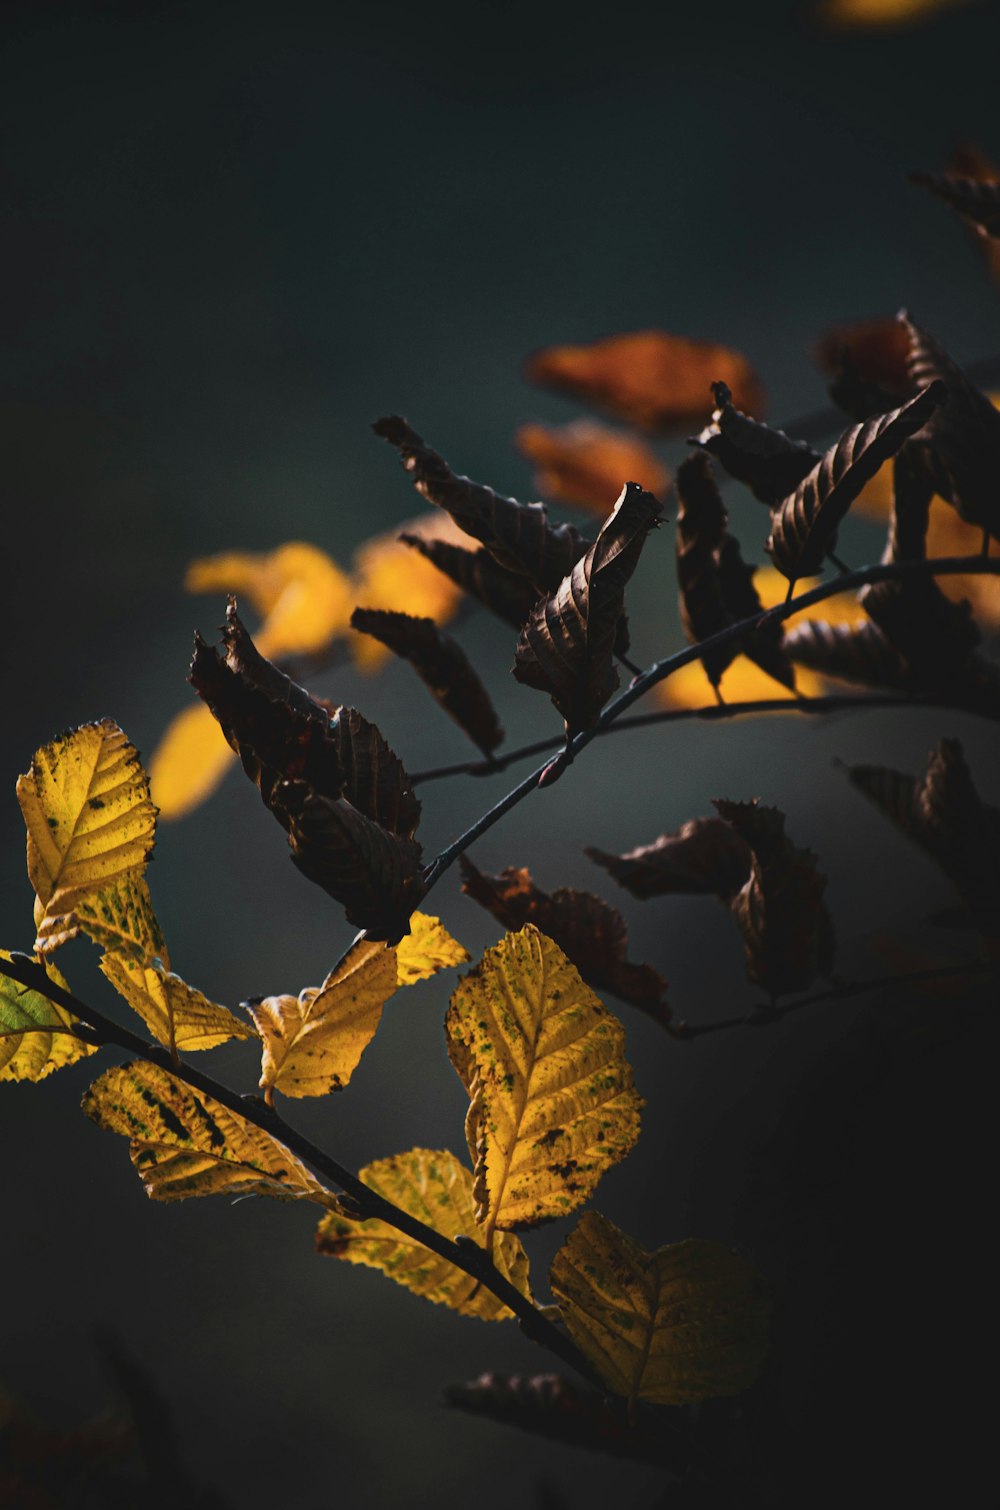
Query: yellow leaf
{"type": "Point", "coordinates": [688, 1322]}
{"type": "Point", "coordinates": [313, 1041]}
{"type": "Point", "coordinates": [426, 949]}
{"type": "Point", "coordinates": [301, 594]}
{"type": "Point", "coordinates": [35, 1033]}
{"type": "Point", "coordinates": [437, 1189]}
{"type": "Point", "coordinates": [842, 608]}
{"type": "Point", "coordinates": [90, 822]}
{"type": "Point", "coordinates": [552, 1101]}
{"type": "Point", "coordinates": [388, 574]}
{"type": "Point", "coordinates": [742, 681]}
{"type": "Point", "coordinates": [189, 762]}
{"type": "Point", "coordinates": [120, 920]}
{"type": "Point", "coordinates": [184, 1143]}
{"type": "Point", "coordinates": [175, 1013]}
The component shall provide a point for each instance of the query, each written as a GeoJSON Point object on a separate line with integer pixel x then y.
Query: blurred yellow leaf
{"type": "Point", "coordinates": [687, 1322]}
{"type": "Point", "coordinates": [426, 949]}
{"type": "Point", "coordinates": [434, 1187]}
{"type": "Point", "coordinates": [881, 14]}
{"type": "Point", "coordinates": [301, 594]}
{"type": "Point", "coordinates": [389, 574]}
{"type": "Point", "coordinates": [90, 822]}
{"type": "Point", "coordinates": [35, 1036]}
{"type": "Point", "coordinates": [189, 762]}
{"type": "Point", "coordinates": [552, 1104]}
{"type": "Point", "coordinates": [175, 1013]}
{"type": "Point", "coordinates": [313, 1041]}
{"type": "Point", "coordinates": [184, 1143]}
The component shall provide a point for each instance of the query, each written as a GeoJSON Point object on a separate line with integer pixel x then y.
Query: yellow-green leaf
{"type": "Point", "coordinates": [177, 1015]}
{"type": "Point", "coordinates": [426, 949]}
{"type": "Point", "coordinates": [313, 1041]}
{"type": "Point", "coordinates": [552, 1101]}
{"type": "Point", "coordinates": [184, 1143]}
{"type": "Point", "coordinates": [437, 1189]}
{"type": "Point", "coordinates": [36, 1034]}
{"type": "Point", "coordinates": [119, 919]}
{"type": "Point", "coordinates": [688, 1322]}
{"type": "Point", "coordinates": [90, 823]}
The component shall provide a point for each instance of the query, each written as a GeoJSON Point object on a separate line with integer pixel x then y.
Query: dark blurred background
{"type": "Point", "coordinates": [234, 235]}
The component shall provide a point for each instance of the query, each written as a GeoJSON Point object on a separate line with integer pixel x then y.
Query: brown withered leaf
{"type": "Point", "coordinates": [943, 813]}
{"type": "Point", "coordinates": [373, 872]}
{"type": "Point", "coordinates": [804, 525]}
{"type": "Point", "coordinates": [960, 445]}
{"type": "Point", "coordinates": [850, 652]}
{"type": "Point", "coordinates": [865, 361]}
{"type": "Point", "coordinates": [705, 857]}
{"type": "Point", "coordinates": [589, 931]}
{"type": "Point", "coordinates": [586, 463]}
{"type": "Point", "coordinates": [550, 1406]}
{"type": "Point", "coordinates": [933, 635]}
{"type": "Point", "coordinates": [975, 198]}
{"type": "Point", "coordinates": [787, 932]}
{"type": "Point", "coordinates": [969, 161]}
{"type": "Point", "coordinates": [770, 462]}
{"type": "Point", "coordinates": [282, 734]}
{"type": "Point", "coordinates": [566, 647]}
{"type": "Point", "coordinates": [442, 666]}
{"type": "Point", "coordinates": [505, 593]}
{"type": "Point", "coordinates": [649, 378]}
{"type": "Point", "coordinates": [716, 584]}
{"type": "Point", "coordinates": [518, 535]}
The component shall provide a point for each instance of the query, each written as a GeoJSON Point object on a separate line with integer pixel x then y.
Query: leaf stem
{"type": "Point", "coordinates": [536, 1325]}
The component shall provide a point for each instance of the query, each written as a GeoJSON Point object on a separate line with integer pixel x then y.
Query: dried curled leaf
{"type": "Point", "coordinates": [566, 647]}
{"type": "Point", "coordinates": [508, 594]}
{"type": "Point", "coordinates": [90, 822]}
{"type": "Point", "coordinates": [442, 666]}
{"type": "Point", "coordinates": [177, 1015]}
{"type": "Point", "coordinates": [943, 813]}
{"type": "Point", "coordinates": [932, 635]}
{"type": "Point", "coordinates": [850, 653]}
{"type": "Point", "coordinates": [552, 1105]}
{"type": "Point", "coordinates": [716, 585]}
{"type": "Point", "coordinates": [434, 1187]}
{"type": "Point", "coordinates": [804, 525]}
{"type": "Point", "coordinates": [301, 594]}
{"type": "Point", "coordinates": [36, 1035]}
{"type": "Point", "coordinates": [705, 857]}
{"type": "Point", "coordinates": [518, 535]}
{"type": "Point", "coordinates": [960, 446]}
{"type": "Point", "coordinates": [975, 198]}
{"type": "Point", "coordinates": [427, 949]}
{"type": "Point", "coordinates": [787, 932]}
{"type": "Point", "coordinates": [768, 461]}
{"type": "Point", "coordinates": [686, 1322]}
{"type": "Point", "coordinates": [313, 1041]}
{"type": "Point", "coordinates": [586, 463]}
{"type": "Point", "coordinates": [649, 378]}
{"type": "Point", "coordinates": [184, 1143]}
{"type": "Point", "coordinates": [561, 1410]}
{"type": "Point", "coordinates": [588, 930]}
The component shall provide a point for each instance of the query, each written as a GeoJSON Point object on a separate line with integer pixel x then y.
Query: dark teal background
{"type": "Point", "coordinates": [233, 237]}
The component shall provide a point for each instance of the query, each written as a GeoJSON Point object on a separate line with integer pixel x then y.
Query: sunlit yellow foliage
{"type": "Point", "coordinates": [90, 822]}
{"type": "Point", "coordinates": [389, 574]}
{"type": "Point", "coordinates": [35, 1036]}
{"type": "Point", "coordinates": [688, 1322]}
{"type": "Point", "coordinates": [426, 949]}
{"type": "Point", "coordinates": [121, 920]}
{"type": "Point", "coordinates": [177, 1015]}
{"type": "Point", "coordinates": [184, 1143]}
{"type": "Point", "coordinates": [303, 597]}
{"type": "Point", "coordinates": [189, 762]}
{"type": "Point", "coordinates": [434, 1187]}
{"type": "Point", "coordinates": [881, 15]}
{"type": "Point", "coordinates": [552, 1105]}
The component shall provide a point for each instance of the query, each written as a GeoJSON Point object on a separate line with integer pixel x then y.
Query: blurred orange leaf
{"type": "Point", "coordinates": [648, 378]}
{"type": "Point", "coordinates": [881, 15]}
{"type": "Point", "coordinates": [587, 464]}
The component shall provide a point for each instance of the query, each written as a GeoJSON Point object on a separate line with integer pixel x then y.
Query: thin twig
{"type": "Point", "coordinates": [714, 713]}
{"type": "Point", "coordinates": [467, 1256]}
{"type": "Point", "coordinates": [767, 1012]}
{"type": "Point", "coordinates": [886, 571]}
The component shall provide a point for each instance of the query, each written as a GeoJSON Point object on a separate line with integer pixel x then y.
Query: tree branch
{"type": "Point", "coordinates": [887, 571]}
{"type": "Point", "coordinates": [465, 1255]}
